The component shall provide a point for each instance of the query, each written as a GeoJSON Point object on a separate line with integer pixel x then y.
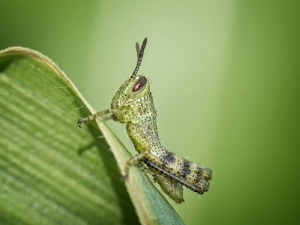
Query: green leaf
{"type": "Point", "coordinates": [52, 172]}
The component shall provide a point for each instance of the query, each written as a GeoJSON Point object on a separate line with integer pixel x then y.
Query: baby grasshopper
{"type": "Point", "coordinates": [133, 104]}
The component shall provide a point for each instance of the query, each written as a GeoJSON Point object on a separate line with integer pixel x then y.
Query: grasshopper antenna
{"type": "Point", "coordinates": [140, 57]}
{"type": "Point", "coordinates": [138, 49]}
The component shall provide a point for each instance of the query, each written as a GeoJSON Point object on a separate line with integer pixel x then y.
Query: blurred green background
{"type": "Point", "coordinates": [225, 79]}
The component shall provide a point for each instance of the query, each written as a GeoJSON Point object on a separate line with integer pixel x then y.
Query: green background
{"type": "Point", "coordinates": [225, 79]}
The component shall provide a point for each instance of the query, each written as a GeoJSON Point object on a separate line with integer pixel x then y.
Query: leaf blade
{"type": "Point", "coordinates": [51, 170]}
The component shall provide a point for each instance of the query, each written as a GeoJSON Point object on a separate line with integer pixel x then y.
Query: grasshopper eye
{"type": "Point", "coordinates": [140, 83]}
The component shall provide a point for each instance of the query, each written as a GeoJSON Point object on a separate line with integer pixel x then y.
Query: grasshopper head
{"type": "Point", "coordinates": [130, 95]}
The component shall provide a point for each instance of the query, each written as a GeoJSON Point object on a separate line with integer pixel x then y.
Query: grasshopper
{"type": "Point", "coordinates": [133, 105]}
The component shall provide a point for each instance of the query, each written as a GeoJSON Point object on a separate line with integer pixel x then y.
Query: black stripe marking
{"type": "Point", "coordinates": [185, 170]}
{"type": "Point", "coordinates": [168, 158]}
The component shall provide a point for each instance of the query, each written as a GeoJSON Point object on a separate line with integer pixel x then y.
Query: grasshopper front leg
{"type": "Point", "coordinates": [94, 116]}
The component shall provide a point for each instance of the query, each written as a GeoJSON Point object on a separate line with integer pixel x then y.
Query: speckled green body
{"type": "Point", "coordinates": [171, 171]}
{"type": "Point", "coordinates": [133, 104]}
